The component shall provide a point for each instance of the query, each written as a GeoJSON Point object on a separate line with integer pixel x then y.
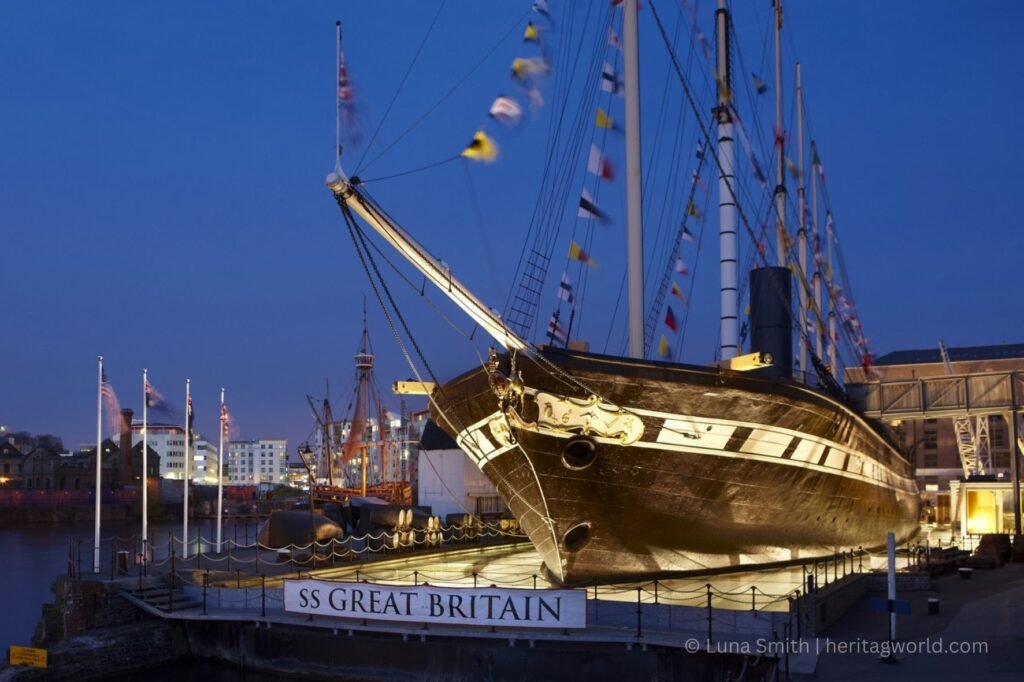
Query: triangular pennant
{"type": "Point", "coordinates": [670, 320]}
{"type": "Point", "coordinates": [565, 289]}
{"type": "Point", "coordinates": [598, 164]}
{"type": "Point", "coordinates": [588, 209]}
{"type": "Point", "coordinates": [506, 110]}
{"type": "Point", "coordinates": [663, 347]}
{"type": "Point", "coordinates": [577, 253]}
{"type": "Point", "coordinates": [603, 120]}
{"type": "Point", "coordinates": [681, 267]}
{"type": "Point", "coordinates": [482, 148]}
{"type": "Point", "coordinates": [610, 80]}
{"type": "Point", "coordinates": [531, 33]}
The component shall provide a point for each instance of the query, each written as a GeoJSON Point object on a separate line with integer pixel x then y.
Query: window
{"type": "Point", "coordinates": [931, 460]}
{"type": "Point", "coordinates": [931, 440]}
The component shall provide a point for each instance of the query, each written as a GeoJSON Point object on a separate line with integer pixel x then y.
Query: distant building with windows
{"type": "Point", "coordinates": [169, 441]}
{"type": "Point", "coordinates": [255, 462]}
{"type": "Point", "coordinates": [932, 443]}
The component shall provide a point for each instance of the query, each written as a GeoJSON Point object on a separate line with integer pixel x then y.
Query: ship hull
{"type": "Point", "coordinates": [677, 468]}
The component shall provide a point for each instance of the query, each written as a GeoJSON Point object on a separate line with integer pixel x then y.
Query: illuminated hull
{"type": "Point", "coordinates": [678, 467]}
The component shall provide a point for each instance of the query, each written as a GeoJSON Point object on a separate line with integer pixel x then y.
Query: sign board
{"type": "Point", "coordinates": [26, 655]}
{"type": "Point", "coordinates": [489, 606]}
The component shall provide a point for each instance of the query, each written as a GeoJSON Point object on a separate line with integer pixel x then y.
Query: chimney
{"type": "Point", "coordinates": [127, 470]}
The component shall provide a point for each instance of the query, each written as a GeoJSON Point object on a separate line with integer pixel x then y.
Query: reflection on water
{"type": "Point", "coordinates": [32, 556]}
{"type": "Point", "coordinates": [207, 671]}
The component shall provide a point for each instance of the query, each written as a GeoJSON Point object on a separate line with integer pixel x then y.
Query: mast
{"type": "Point", "coordinates": [832, 307]}
{"type": "Point", "coordinates": [145, 469]}
{"type": "Point", "coordinates": [802, 231]}
{"type": "Point", "coordinates": [729, 323]}
{"type": "Point", "coordinates": [780, 150]}
{"type": "Point", "coordinates": [342, 84]}
{"type": "Point", "coordinates": [817, 249]}
{"type": "Point", "coordinates": [184, 504]}
{"type": "Point", "coordinates": [634, 217]}
{"type": "Point", "coordinates": [99, 467]}
{"type": "Point", "coordinates": [220, 468]}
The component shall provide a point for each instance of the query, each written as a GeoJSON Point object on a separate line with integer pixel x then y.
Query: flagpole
{"type": "Point", "coordinates": [145, 469]}
{"type": "Point", "coordinates": [184, 515]}
{"type": "Point", "coordinates": [780, 161]}
{"type": "Point", "coordinates": [99, 467]}
{"type": "Point", "coordinates": [634, 210]}
{"type": "Point", "coordinates": [220, 470]}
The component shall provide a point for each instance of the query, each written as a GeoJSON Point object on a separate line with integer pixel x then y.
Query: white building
{"type": "Point", "coordinates": [252, 462]}
{"type": "Point", "coordinates": [167, 440]}
{"type": "Point", "coordinates": [204, 461]}
{"type": "Point", "coordinates": [449, 482]}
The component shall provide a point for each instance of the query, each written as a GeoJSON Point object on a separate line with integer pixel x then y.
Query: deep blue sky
{"type": "Point", "coordinates": [162, 199]}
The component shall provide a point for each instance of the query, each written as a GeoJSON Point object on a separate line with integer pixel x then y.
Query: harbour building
{"type": "Point", "coordinates": [255, 462]}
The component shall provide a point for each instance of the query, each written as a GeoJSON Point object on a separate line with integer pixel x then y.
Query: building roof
{"type": "Point", "coordinates": [932, 355]}
{"type": "Point", "coordinates": [434, 438]}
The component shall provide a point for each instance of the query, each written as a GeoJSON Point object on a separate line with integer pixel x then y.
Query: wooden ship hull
{"type": "Point", "coordinates": [677, 467]}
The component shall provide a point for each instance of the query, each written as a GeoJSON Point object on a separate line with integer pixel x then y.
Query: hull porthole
{"type": "Point", "coordinates": [579, 453]}
{"type": "Point", "coordinates": [576, 537]}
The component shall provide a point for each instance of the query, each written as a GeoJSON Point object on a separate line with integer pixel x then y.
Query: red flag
{"type": "Point", "coordinates": [670, 320]}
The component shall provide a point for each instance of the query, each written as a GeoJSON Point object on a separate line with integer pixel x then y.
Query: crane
{"type": "Point", "coordinates": [971, 440]}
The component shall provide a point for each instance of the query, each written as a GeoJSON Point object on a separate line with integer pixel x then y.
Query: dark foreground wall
{"type": "Point", "coordinates": [369, 656]}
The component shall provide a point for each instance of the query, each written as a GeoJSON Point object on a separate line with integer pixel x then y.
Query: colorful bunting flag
{"type": "Point", "coordinates": [759, 85]}
{"type": "Point", "coordinates": [482, 148]}
{"type": "Point", "coordinates": [793, 169]}
{"type": "Point", "coordinates": [670, 320]}
{"type": "Point", "coordinates": [663, 347]}
{"type": "Point", "coordinates": [603, 120]}
{"type": "Point", "coordinates": [613, 39]}
{"type": "Point", "coordinates": [531, 33]}
{"type": "Point", "coordinates": [506, 110]}
{"type": "Point", "coordinates": [556, 332]}
{"type": "Point", "coordinates": [691, 209]}
{"type": "Point", "coordinates": [541, 8]}
{"type": "Point", "coordinates": [598, 164]}
{"type": "Point", "coordinates": [677, 291]}
{"type": "Point", "coordinates": [700, 149]}
{"type": "Point", "coordinates": [816, 162]}
{"type": "Point", "coordinates": [588, 209]}
{"type": "Point", "coordinates": [565, 289]}
{"type": "Point", "coordinates": [524, 67]}
{"type": "Point", "coordinates": [681, 267]}
{"type": "Point", "coordinates": [610, 80]}
{"type": "Point", "coordinates": [577, 253]}
{"type": "Point", "coordinates": [687, 235]}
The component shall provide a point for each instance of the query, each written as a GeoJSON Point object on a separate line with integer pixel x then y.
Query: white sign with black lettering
{"type": "Point", "coordinates": [489, 606]}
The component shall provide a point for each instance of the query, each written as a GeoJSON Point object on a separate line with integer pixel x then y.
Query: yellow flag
{"type": "Point", "coordinates": [531, 32]}
{"type": "Point", "coordinates": [603, 120]}
{"type": "Point", "coordinates": [663, 349]}
{"type": "Point", "coordinates": [482, 148]}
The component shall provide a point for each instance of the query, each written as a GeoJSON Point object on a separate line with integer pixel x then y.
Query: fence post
{"type": "Point", "coordinates": [206, 581]}
{"type": "Point", "coordinates": [416, 578]}
{"type": "Point", "coordinates": [238, 579]}
{"type": "Point", "coordinates": [170, 591]}
{"type": "Point", "coordinates": [656, 592]}
{"type": "Point", "coordinates": [708, 587]}
{"type": "Point", "coordinates": [639, 613]}
{"type": "Point", "coordinates": [263, 595]}
{"type": "Point", "coordinates": [535, 581]}
{"type": "Point", "coordinates": [753, 600]}
{"type": "Point", "coordinates": [860, 550]}
{"type": "Point", "coordinates": [798, 628]}
{"type": "Point", "coordinates": [474, 578]}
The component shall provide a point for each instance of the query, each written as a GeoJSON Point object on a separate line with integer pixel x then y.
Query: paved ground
{"type": "Point", "coordinates": [984, 615]}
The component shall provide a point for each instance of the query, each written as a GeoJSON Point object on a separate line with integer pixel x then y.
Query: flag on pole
{"type": "Point", "coordinates": [506, 110]}
{"type": "Point", "coordinates": [663, 347]}
{"type": "Point", "coordinates": [670, 320]}
{"type": "Point", "coordinates": [111, 406]}
{"type": "Point", "coordinates": [482, 148]}
{"type": "Point", "coordinates": [610, 80]}
{"type": "Point", "coordinates": [598, 164]}
{"type": "Point", "coordinates": [155, 399]}
{"type": "Point", "coordinates": [227, 422]}
{"type": "Point", "coordinates": [189, 419]}
{"type": "Point", "coordinates": [577, 253]}
{"type": "Point", "coordinates": [588, 209]}
{"type": "Point", "coordinates": [565, 289]}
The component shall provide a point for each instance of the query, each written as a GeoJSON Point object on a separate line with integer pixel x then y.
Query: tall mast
{"type": "Point", "coordinates": [832, 306]}
{"type": "Point", "coordinates": [817, 249]}
{"type": "Point", "coordinates": [729, 327]}
{"type": "Point", "coordinates": [802, 231]}
{"type": "Point", "coordinates": [342, 83]}
{"type": "Point", "coordinates": [634, 219]}
{"type": "Point", "coordinates": [780, 150]}
{"type": "Point", "coordinates": [99, 466]}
